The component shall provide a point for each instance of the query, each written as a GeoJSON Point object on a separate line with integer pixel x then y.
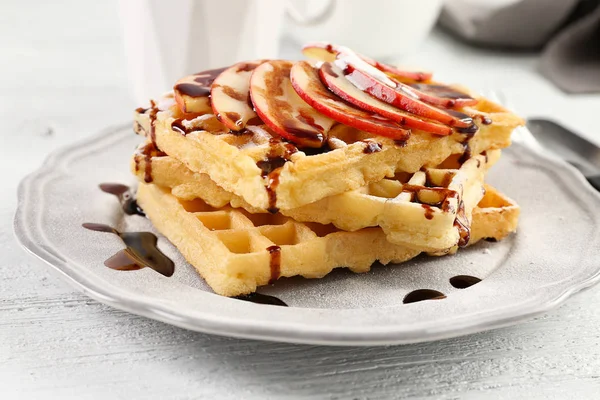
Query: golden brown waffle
{"type": "Point", "coordinates": [495, 216]}
{"type": "Point", "coordinates": [428, 210]}
{"type": "Point", "coordinates": [235, 251]}
{"type": "Point", "coordinates": [251, 163]}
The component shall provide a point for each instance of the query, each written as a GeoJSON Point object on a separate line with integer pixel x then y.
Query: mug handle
{"type": "Point", "coordinates": [302, 20]}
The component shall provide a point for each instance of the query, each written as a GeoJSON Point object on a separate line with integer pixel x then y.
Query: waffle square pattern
{"type": "Point", "coordinates": [236, 251]}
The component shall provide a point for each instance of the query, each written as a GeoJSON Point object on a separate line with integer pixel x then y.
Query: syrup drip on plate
{"type": "Point", "coordinates": [259, 298]}
{"type": "Point", "coordinates": [423, 294]}
{"type": "Point", "coordinates": [125, 196]}
{"type": "Point", "coordinates": [464, 281]}
{"type": "Point", "coordinates": [141, 251]}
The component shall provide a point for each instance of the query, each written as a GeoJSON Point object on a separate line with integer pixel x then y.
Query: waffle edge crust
{"type": "Point", "coordinates": [235, 251]}
{"type": "Point", "coordinates": [399, 205]}
{"type": "Point", "coordinates": [231, 159]}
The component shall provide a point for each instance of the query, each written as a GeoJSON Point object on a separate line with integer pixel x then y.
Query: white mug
{"type": "Point", "coordinates": [166, 40]}
{"type": "Point", "coordinates": [381, 29]}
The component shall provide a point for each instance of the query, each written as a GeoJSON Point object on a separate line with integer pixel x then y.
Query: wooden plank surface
{"type": "Point", "coordinates": [62, 78]}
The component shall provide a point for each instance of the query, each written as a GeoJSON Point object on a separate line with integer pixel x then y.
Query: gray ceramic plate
{"type": "Point", "coordinates": [554, 254]}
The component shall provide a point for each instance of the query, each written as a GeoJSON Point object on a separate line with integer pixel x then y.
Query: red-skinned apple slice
{"type": "Point", "coordinates": [369, 80]}
{"type": "Point", "coordinates": [333, 78]}
{"type": "Point", "coordinates": [279, 106]}
{"type": "Point", "coordinates": [439, 95]}
{"type": "Point", "coordinates": [435, 94]}
{"type": "Point", "coordinates": [192, 92]}
{"type": "Point", "coordinates": [327, 52]}
{"type": "Point", "coordinates": [307, 84]}
{"type": "Point", "coordinates": [230, 95]}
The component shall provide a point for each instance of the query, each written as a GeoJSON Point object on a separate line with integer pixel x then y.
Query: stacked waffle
{"type": "Point", "coordinates": [270, 169]}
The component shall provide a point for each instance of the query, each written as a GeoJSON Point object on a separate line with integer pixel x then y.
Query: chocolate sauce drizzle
{"type": "Point", "coordinates": [126, 198]}
{"type": "Point", "coordinates": [442, 91]}
{"type": "Point", "coordinates": [275, 262]}
{"type": "Point", "coordinates": [152, 116]}
{"type": "Point", "coordinates": [148, 151]}
{"type": "Point", "coordinates": [202, 84]}
{"type": "Point", "coordinates": [141, 251]}
{"type": "Point", "coordinates": [270, 164]}
{"type": "Point", "coordinates": [461, 223]}
{"type": "Point", "coordinates": [177, 126]}
{"type": "Point", "coordinates": [428, 211]}
{"type": "Point", "coordinates": [271, 168]}
{"type": "Point", "coordinates": [484, 119]}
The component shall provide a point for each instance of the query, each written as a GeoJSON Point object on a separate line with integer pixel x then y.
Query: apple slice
{"type": "Point", "coordinates": [327, 52]}
{"type": "Point", "coordinates": [230, 95]}
{"type": "Point", "coordinates": [435, 94]}
{"type": "Point", "coordinates": [333, 78]}
{"type": "Point", "coordinates": [440, 95]}
{"type": "Point", "coordinates": [369, 80]}
{"type": "Point", "coordinates": [279, 106]}
{"type": "Point", "coordinates": [192, 93]}
{"type": "Point", "coordinates": [305, 79]}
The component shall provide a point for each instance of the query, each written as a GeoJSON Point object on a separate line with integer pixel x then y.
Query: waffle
{"type": "Point", "coordinates": [252, 163]}
{"type": "Point", "coordinates": [495, 217]}
{"type": "Point", "coordinates": [417, 210]}
{"type": "Point", "coordinates": [235, 251]}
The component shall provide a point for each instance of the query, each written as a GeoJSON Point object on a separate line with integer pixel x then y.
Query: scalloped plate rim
{"type": "Point", "coordinates": [142, 305]}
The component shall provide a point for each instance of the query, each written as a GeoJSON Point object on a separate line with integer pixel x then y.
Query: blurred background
{"type": "Point", "coordinates": [72, 67]}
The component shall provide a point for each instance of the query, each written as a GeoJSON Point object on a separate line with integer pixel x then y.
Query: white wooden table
{"type": "Point", "coordinates": [62, 78]}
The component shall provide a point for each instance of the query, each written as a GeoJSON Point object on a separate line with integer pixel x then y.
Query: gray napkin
{"type": "Point", "coordinates": [571, 56]}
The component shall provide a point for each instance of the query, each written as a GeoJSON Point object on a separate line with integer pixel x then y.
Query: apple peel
{"type": "Point", "coordinates": [333, 77]}
{"type": "Point", "coordinates": [306, 82]}
{"type": "Point", "coordinates": [230, 95]}
{"type": "Point", "coordinates": [279, 106]}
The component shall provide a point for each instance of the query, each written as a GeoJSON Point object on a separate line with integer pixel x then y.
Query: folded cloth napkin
{"type": "Point", "coordinates": [569, 30]}
{"type": "Point", "coordinates": [572, 59]}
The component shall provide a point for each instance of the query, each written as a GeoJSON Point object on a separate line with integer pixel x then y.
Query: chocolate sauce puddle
{"type": "Point", "coordinates": [141, 251]}
{"type": "Point", "coordinates": [126, 198]}
{"type": "Point", "coordinates": [464, 281]}
{"type": "Point", "coordinates": [423, 294]}
{"type": "Point", "coordinates": [259, 298]}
